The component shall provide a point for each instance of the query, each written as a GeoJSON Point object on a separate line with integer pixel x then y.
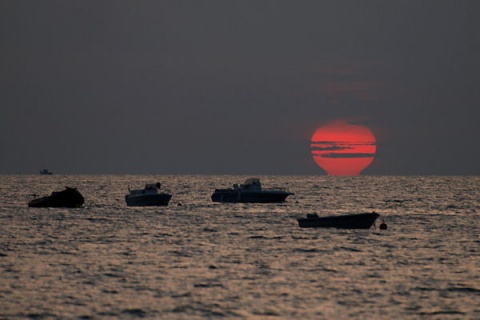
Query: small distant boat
{"type": "Point", "coordinates": [347, 221]}
{"type": "Point", "coordinates": [250, 192]}
{"type": "Point", "coordinates": [68, 198]}
{"type": "Point", "coordinates": [148, 196]}
{"type": "Point", "coordinates": [46, 172]}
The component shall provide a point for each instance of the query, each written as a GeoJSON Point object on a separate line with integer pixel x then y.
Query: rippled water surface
{"type": "Point", "coordinates": [201, 260]}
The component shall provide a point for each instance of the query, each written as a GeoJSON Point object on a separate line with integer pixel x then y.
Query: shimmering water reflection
{"type": "Point", "coordinates": [196, 259]}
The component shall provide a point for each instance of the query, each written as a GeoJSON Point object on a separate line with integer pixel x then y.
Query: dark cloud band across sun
{"type": "Point", "coordinates": [348, 155]}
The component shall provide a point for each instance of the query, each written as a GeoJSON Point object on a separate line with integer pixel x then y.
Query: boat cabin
{"type": "Point", "coordinates": [150, 188]}
{"type": "Point", "coordinates": [251, 184]}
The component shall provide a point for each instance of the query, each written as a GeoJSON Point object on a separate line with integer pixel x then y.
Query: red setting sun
{"type": "Point", "coordinates": [343, 149]}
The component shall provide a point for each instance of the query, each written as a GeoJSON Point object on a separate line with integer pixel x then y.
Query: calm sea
{"type": "Point", "coordinates": [201, 260]}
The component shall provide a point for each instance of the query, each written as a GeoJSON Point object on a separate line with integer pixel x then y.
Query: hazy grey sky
{"type": "Point", "coordinates": [236, 87]}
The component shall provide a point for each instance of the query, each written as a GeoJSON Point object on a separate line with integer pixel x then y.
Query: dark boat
{"type": "Point", "coordinates": [148, 196]}
{"type": "Point", "coordinates": [45, 172]}
{"type": "Point", "coordinates": [347, 221]}
{"type": "Point", "coordinates": [68, 198]}
{"type": "Point", "coordinates": [250, 192]}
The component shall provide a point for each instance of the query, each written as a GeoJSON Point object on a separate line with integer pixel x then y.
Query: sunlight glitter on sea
{"type": "Point", "coordinates": [196, 259]}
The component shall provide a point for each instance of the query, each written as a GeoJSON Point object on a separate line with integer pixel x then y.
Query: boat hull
{"type": "Point", "coordinates": [238, 196]}
{"type": "Point", "coordinates": [68, 198]}
{"type": "Point", "coordinates": [350, 221]}
{"type": "Point", "coordinates": [152, 200]}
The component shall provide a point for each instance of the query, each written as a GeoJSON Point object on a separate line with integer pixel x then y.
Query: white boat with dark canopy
{"type": "Point", "coordinates": [346, 221]}
{"type": "Point", "coordinates": [148, 196]}
{"type": "Point", "coordinates": [250, 192]}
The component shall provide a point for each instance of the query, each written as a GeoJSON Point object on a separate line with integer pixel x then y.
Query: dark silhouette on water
{"type": "Point", "coordinates": [148, 196]}
{"type": "Point", "coordinates": [383, 225]}
{"type": "Point", "coordinates": [68, 198]}
{"type": "Point", "coordinates": [347, 221]}
{"type": "Point", "coordinates": [250, 192]}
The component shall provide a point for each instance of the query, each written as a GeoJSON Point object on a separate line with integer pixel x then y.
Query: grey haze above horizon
{"type": "Point", "coordinates": [236, 87]}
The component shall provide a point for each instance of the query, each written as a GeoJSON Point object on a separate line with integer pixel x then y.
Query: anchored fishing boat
{"type": "Point", "coordinates": [346, 221]}
{"type": "Point", "coordinates": [250, 192]}
{"type": "Point", "coordinates": [148, 196]}
{"type": "Point", "coordinates": [68, 198]}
